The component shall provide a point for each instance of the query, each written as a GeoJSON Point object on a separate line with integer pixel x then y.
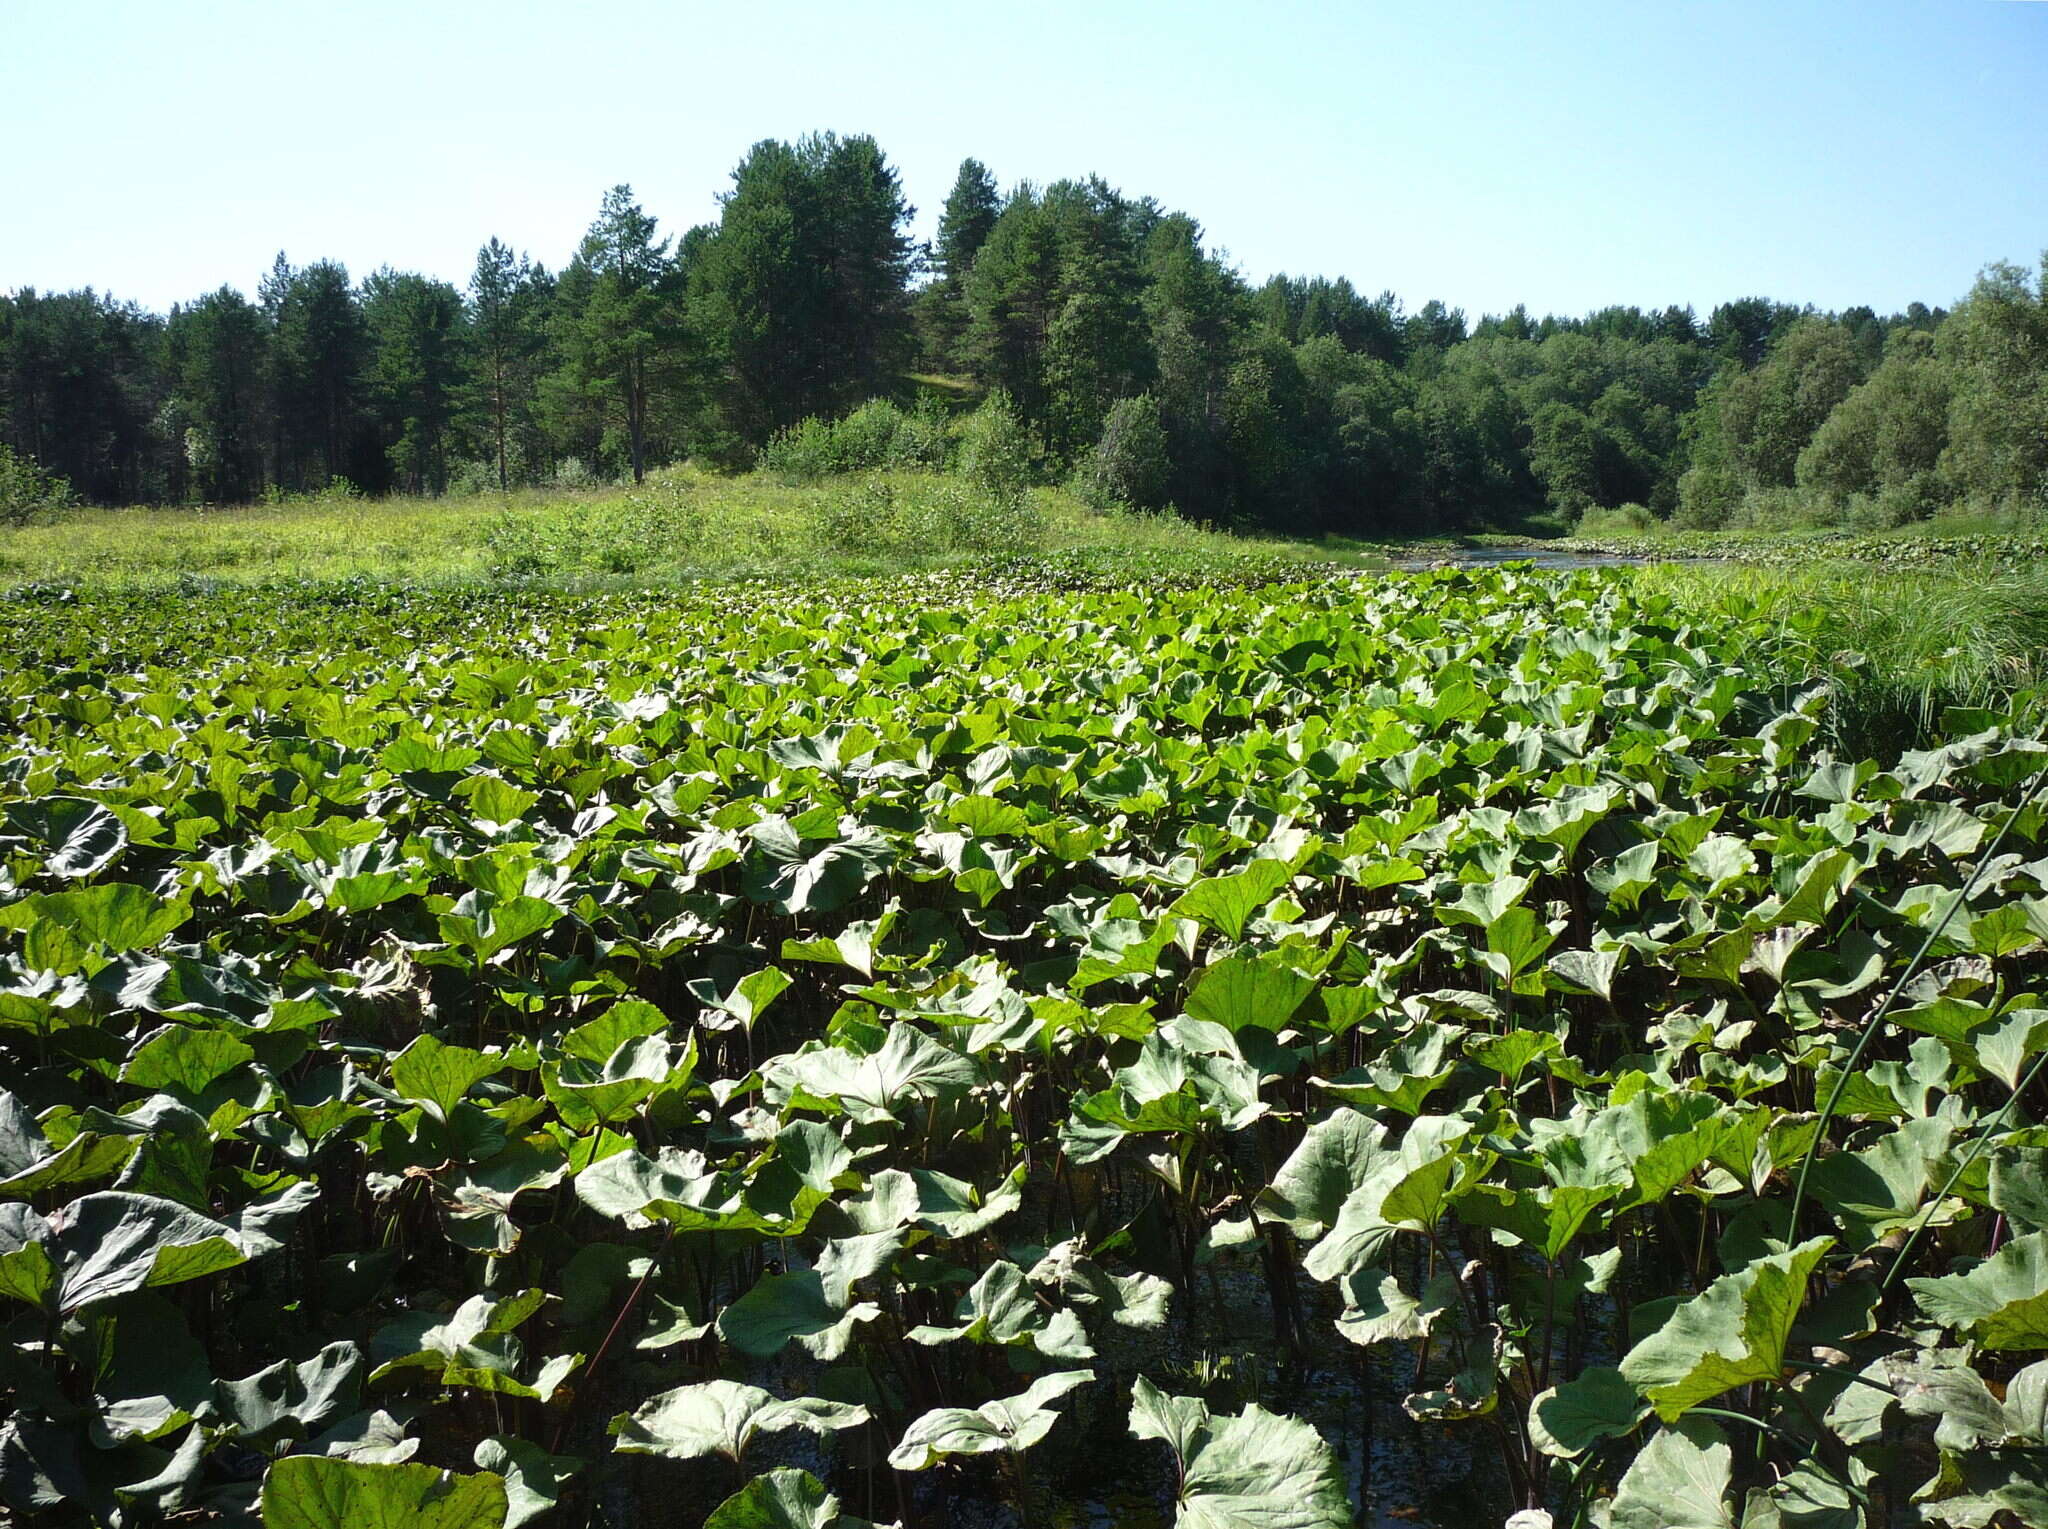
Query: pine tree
{"type": "Point", "coordinates": [417, 338]}
{"type": "Point", "coordinates": [620, 322]}
{"type": "Point", "coordinates": [506, 302]}
{"type": "Point", "coordinates": [800, 293]}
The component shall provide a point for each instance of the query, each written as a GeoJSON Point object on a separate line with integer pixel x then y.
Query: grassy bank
{"type": "Point", "coordinates": [680, 525]}
{"type": "Point", "coordinates": [1899, 649]}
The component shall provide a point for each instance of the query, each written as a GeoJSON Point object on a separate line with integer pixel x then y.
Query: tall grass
{"type": "Point", "coordinates": [681, 525]}
{"type": "Point", "coordinates": [1897, 649]}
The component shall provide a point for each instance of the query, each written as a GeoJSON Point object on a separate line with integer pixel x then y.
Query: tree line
{"type": "Point", "coordinates": [1145, 368]}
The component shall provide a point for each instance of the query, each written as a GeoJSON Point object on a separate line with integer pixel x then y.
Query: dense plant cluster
{"type": "Point", "coordinates": [781, 1056]}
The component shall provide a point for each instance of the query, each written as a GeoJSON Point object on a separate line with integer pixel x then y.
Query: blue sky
{"type": "Point", "coordinates": [1563, 153]}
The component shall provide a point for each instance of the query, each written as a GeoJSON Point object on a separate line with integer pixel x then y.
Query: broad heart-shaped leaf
{"type": "Point", "coordinates": [910, 1065]}
{"type": "Point", "coordinates": [108, 1244]}
{"type": "Point", "coordinates": [1168, 1089]}
{"type": "Point", "coordinates": [1515, 942]}
{"type": "Point", "coordinates": [1335, 1156]}
{"type": "Point", "coordinates": [1011, 1423]}
{"type": "Point", "coordinates": [27, 1164]}
{"type": "Point", "coordinates": [796, 875]}
{"type": "Point", "coordinates": [1000, 1309]}
{"type": "Point", "coordinates": [314, 1492]}
{"type": "Point", "coordinates": [113, 915]}
{"type": "Point", "coordinates": [1597, 1404]}
{"type": "Point", "coordinates": [287, 1400]}
{"type": "Point", "coordinates": [1546, 1219]}
{"type": "Point", "coordinates": [435, 1075]}
{"type": "Point", "coordinates": [533, 1477]}
{"type": "Point", "coordinates": [1419, 1064]}
{"type": "Point", "coordinates": [1378, 1310]}
{"type": "Point", "coordinates": [784, 1498]}
{"type": "Point", "coordinates": [474, 1346]}
{"type": "Point", "coordinates": [489, 926]}
{"type": "Point", "coordinates": [1132, 1300]}
{"type": "Point", "coordinates": [2000, 1304]}
{"type": "Point", "coordinates": [1257, 1468]}
{"type": "Point", "coordinates": [1244, 990]}
{"type": "Point", "coordinates": [79, 838]}
{"type": "Point", "coordinates": [1225, 902]}
{"type": "Point", "coordinates": [720, 1417]}
{"type": "Point", "coordinates": [184, 1060]}
{"type": "Point", "coordinates": [1731, 1333]}
{"type": "Point", "coordinates": [794, 1305]}
{"type": "Point", "coordinates": [1679, 1481]}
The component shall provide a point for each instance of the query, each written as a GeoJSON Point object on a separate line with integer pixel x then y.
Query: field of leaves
{"type": "Point", "coordinates": [943, 1052]}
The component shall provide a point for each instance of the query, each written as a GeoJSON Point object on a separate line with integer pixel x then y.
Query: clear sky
{"type": "Point", "coordinates": [1563, 153]}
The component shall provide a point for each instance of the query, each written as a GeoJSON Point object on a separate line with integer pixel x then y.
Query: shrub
{"type": "Point", "coordinates": [861, 518]}
{"type": "Point", "coordinates": [818, 448]}
{"type": "Point", "coordinates": [996, 453]}
{"type": "Point", "coordinates": [473, 480]}
{"type": "Point", "coordinates": [929, 517]}
{"type": "Point", "coordinates": [1129, 465]}
{"type": "Point", "coordinates": [921, 439]}
{"type": "Point", "coordinates": [1621, 520]}
{"type": "Point", "coordinates": [27, 493]}
{"type": "Point", "coordinates": [574, 473]}
{"type": "Point", "coordinates": [524, 545]}
{"type": "Point", "coordinates": [969, 520]}
{"type": "Point", "coordinates": [652, 524]}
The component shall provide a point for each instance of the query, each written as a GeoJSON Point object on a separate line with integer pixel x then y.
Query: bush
{"type": "Point", "coordinates": [818, 448]}
{"type": "Point", "coordinates": [27, 493]}
{"type": "Point", "coordinates": [333, 494]}
{"type": "Point", "coordinates": [921, 440]}
{"type": "Point", "coordinates": [1622, 520]}
{"type": "Point", "coordinates": [996, 452]}
{"type": "Point", "coordinates": [931, 516]}
{"type": "Point", "coordinates": [1129, 465]}
{"type": "Point", "coordinates": [525, 545]}
{"type": "Point", "coordinates": [574, 473]}
{"type": "Point", "coordinates": [473, 480]}
{"type": "Point", "coordinates": [862, 518]}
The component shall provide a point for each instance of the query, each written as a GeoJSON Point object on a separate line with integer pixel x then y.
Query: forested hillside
{"type": "Point", "coordinates": [1147, 367]}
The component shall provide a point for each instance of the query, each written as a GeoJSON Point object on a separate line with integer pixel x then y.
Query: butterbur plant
{"type": "Point", "coordinates": [503, 1057]}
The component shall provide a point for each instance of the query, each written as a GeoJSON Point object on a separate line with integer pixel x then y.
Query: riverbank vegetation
{"type": "Point", "coordinates": [804, 330]}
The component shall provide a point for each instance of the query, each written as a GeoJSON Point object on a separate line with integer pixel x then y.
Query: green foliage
{"type": "Point", "coordinates": [964, 922]}
{"type": "Point", "coordinates": [28, 494]}
{"type": "Point", "coordinates": [1129, 465]}
{"type": "Point", "coordinates": [997, 455]}
{"type": "Point", "coordinates": [876, 435]}
{"type": "Point", "coordinates": [1304, 407]}
{"type": "Point", "coordinates": [797, 296]}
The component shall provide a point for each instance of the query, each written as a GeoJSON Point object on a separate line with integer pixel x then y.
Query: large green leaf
{"type": "Point", "coordinates": [1011, 1424]}
{"type": "Point", "coordinates": [785, 1498]}
{"type": "Point", "coordinates": [112, 915]}
{"type": "Point", "coordinates": [533, 1477]}
{"type": "Point", "coordinates": [1679, 1481]}
{"type": "Point", "coordinates": [436, 1075]}
{"type": "Point", "coordinates": [909, 1066]}
{"type": "Point", "coordinates": [1599, 1403]}
{"type": "Point", "coordinates": [792, 874]}
{"type": "Point", "coordinates": [1255, 1467]}
{"type": "Point", "coordinates": [1261, 991]}
{"type": "Point", "coordinates": [721, 1417]}
{"type": "Point", "coordinates": [106, 1245]}
{"type": "Point", "coordinates": [1225, 902]}
{"type": "Point", "coordinates": [314, 1492]}
{"type": "Point", "coordinates": [2000, 1304]}
{"type": "Point", "coordinates": [1730, 1334]}
{"type": "Point", "coordinates": [795, 1305]}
